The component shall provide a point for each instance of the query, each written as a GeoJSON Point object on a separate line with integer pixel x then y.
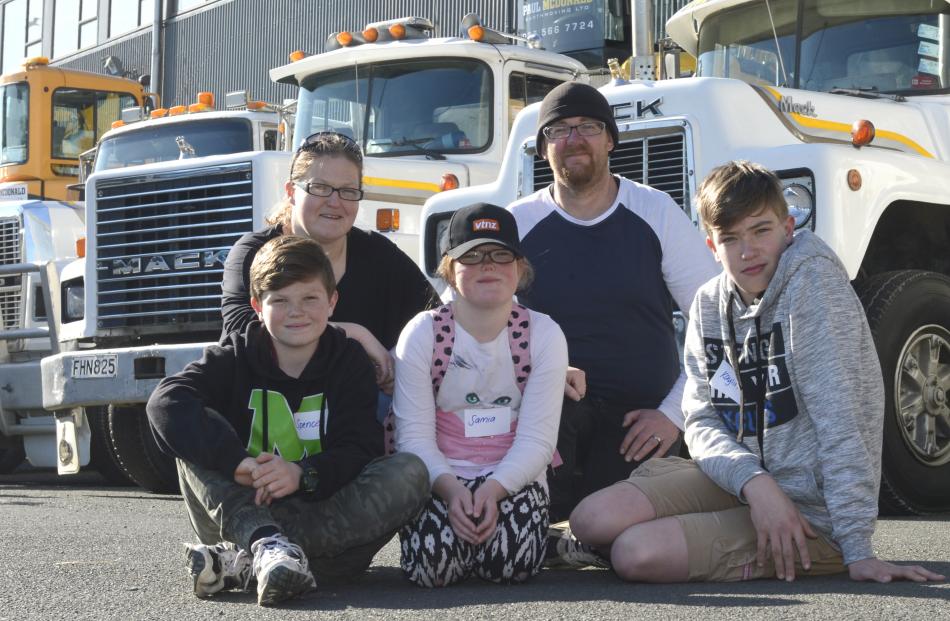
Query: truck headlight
{"type": "Point", "coordinates": [74, 297]}
{"type": "Point", "coordinates": [799, 193]}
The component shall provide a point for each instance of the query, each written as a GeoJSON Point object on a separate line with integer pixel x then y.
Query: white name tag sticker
{"type": "Point", "coordinates": [487, 422]}
{"type": "Point", "coordinates": [724, 381]}
{"type": "Point", "coordinates": [308, 425]}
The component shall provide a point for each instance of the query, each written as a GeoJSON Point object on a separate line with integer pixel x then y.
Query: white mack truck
{"type": "Point", "coordinates": [848, 101]}
{"type": "Point", "coordinates": [430, 113]}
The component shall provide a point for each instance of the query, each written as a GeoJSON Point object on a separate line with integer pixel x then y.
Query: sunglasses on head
{"type": "Point", "coordinates": [316, 143]}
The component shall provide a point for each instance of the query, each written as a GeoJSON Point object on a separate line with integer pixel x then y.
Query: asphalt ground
{"type": "Point", "coordinates": [73, 548]}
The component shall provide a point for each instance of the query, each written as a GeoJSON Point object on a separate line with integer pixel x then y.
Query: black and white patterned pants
{"type": "Point", "coordinates": [433, 555]}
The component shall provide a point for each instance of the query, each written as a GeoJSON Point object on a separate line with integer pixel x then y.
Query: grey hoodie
{"type": "Point", "coordinates": [824, 397]}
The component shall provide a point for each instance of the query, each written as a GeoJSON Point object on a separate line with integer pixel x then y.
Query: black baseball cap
{"type": "Point", "coordinates": [481, 223]}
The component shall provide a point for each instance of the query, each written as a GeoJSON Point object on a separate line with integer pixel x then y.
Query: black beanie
{"type": "Point", "coordinates": [574, 99]}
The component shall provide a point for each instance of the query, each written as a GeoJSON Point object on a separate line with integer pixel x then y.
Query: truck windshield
{"type": "Point", "coordinates": [414, 107]}
{"type": "Point", "coordinates": [81, 116]}
{"type": "Point", "coordinates": [877, 46]}
{"type": "Point", "coordinates": [161, 142]}
{"type": "Point", "coordinates": [14, 121]}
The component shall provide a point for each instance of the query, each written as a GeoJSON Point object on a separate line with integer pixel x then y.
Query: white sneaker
{"type": "Point", "coordinates": [564, 551]}
{"type": "Point", "coordinates": [282, 570]}
{"type": "Point", "coordinates": [220, 567]}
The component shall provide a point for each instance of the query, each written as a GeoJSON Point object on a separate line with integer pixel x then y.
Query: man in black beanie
{"type": "Point", "coordinates": [610, 257]}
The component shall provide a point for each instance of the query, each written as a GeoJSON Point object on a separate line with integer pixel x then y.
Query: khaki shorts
{"type": "Point", "coordinates": [720, 536]}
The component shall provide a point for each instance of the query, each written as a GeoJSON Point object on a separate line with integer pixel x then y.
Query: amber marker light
{"type": "Point", "coordinates": [205, 98]}
{"type": "Point", "coordinates": [158, 113]}
{"type": "Point", "coordinates": [296, 55]}
{"type": "Point", "coordinates": [387, 220]}
{"type": "Point", "coordinates": [176, 110]}
{"type": "Point", "coordinates": [854, 180]}
{"type": "Point", "coordinates": [344, 38]}
{"type": "Point", "coordinates": [476, 33]}
{"type": "Point", "coordinates": [862, 132]}
{"type": "Point", "coordinates": [449, 182]}
{"type": "Point", "coordinates": [398, 31]}
{"type": "Point", "coordinates": [118, 123]}
{"type": "Point", "coordinates": [81, 247]}
{"type": "Point", "coordinates": [256, 105]}
{"type": "Point", "coordinates": [371, 35]}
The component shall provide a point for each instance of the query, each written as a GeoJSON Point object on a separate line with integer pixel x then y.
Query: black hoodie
{"type": "Point", "coordinates": [228, 379]}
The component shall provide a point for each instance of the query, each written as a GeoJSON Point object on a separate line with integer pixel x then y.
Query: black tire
{"type": "Point", "coordinates": [909, 315]}
{"type": "Point", "coordinates": [11, 454]}
{"type": "Point", "coordinates": [137, 452]}
{"type": "Point", "coordinates": [103, 457]}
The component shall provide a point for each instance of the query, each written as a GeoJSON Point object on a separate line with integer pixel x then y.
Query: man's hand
{"type": "Point", "coordinates": [649, 430]}
{"type": "Point", "coordinates": [485, 504]}
{"type": "Point", "coordinates": [882, 571]}
{"type": "Point", "coordinates": [458, 499]}
{"type": "Point", "coordinates": [274, 477]}
{"type": "Point", "coordinates": [779, 527]}
{"type": "Point", "coordinates": [243, 474]}
{"type": "Point", "coordinates": [575, 386]}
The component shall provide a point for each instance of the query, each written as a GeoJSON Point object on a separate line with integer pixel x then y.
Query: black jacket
{"type": "Point", "coordinates": [225, 380]}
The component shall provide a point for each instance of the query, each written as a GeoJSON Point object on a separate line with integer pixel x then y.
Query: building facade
{"type": "Point", "coordinates": [218, 45]}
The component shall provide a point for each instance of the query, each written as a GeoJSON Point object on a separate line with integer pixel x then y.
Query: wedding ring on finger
{"type": "Point", "coordinates": [658, 439]}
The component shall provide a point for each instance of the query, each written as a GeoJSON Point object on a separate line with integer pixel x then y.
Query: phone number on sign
{"type": "Point", "coordinates": [568, 27]}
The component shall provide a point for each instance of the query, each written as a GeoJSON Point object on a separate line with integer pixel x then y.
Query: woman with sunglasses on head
{"type": "Point", "coordinates": [380, 288]}
{"type": "Point", "coordinates": [479, 386]}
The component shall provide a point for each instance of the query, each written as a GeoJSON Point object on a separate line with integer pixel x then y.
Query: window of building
{"type": "Point", "coordinates": [22, 32]}
{"type": "Point", "coordinates": [127, 15]}
{"type": "Point", "coordinates": [74, 26]}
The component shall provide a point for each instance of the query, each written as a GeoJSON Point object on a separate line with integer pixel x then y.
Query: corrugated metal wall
{"type": "Point", "coordinates": [232, 44]}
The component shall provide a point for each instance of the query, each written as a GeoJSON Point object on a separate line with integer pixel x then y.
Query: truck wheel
{"type": "Point", "coordinates": [909, 315]}
{"type": "Point", "coordinates": [11, 453]}
{"type": "Point", "coordinates": [137, 452]}
{"type": "Point", "coordinates": [103, 458]}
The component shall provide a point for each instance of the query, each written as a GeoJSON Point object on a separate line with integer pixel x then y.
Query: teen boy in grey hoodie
{"type": "Point", "coordinates": [788, 455]}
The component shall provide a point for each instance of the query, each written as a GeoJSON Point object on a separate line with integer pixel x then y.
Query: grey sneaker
{"type": "Point", "coordinates": [220, 567]}
{"type": "Point", "coordinates": [282, 570]}
{"type": "Point", "coordinates": [564, 551]}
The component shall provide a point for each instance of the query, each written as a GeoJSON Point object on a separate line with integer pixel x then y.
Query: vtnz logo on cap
{"type": "Point", "coordinates": [485, 224]}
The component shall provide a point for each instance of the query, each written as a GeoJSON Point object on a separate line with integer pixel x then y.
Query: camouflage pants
{"type": "Point", "coordinates": [340, 535]}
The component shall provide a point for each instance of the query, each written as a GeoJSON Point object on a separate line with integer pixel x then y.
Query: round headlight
{"type": "Point", "coordinates": [801, 203]}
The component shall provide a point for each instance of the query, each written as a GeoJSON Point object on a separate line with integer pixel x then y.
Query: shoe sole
{"type": "Point", "coordinates": [201, 570]}
{"type": "Point", "coordinates": [282, 583]}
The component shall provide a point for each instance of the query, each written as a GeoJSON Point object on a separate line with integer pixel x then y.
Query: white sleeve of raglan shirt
{"type": "Point", "coordinates": [413, 400]}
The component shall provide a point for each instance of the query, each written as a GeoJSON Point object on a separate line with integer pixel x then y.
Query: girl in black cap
{"type": "Point", "coordinates": [479, 384]}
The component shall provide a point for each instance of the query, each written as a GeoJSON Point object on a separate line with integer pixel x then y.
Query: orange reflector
{"type": "Point", "coordinates": [81, 247]}
{"type": "Point", "coordinates": [854, 180]}
{"type": "Point", "coordinates": [476, 33]}
{"type": "Point", "coordinates": [255, 105]}
{"type": "Point", "coordinates": [35, 60]}
{"type": "Point", "coordinates": [282, 127]}
{"type": "Point", "coordinates": [449, 182]}
{"type": "Point", "coordinates": [176, 110]}
{"type": "Point", "coordinates": [296, 55]}
{"type": "Point", "coordinates": [158, 113]}
{"type": "Point", "coordinates": [370, 35]}
{"type": "Point", "coordinates": [862, 132]}
{"type": "Point", "coordinates": [199, 107]}
{"type": "Point", "coordinates": [387, 220]}
{"type": "Point", "coordinates": [118, 123]}
{"type": "Point", "coordinates": [205, 98]}
{"type": "Point", "coordinates": [398, 31]}
{"type": "Point", "coordinates": [344, 38]}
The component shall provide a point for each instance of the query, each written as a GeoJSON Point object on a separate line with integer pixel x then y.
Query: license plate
{"type": "Point", "coordinates": [103, 365]}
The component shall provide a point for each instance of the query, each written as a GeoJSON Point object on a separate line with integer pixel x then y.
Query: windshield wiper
{"type": "Point", "coordinates": [416, 143]}
{"type": "Point", "coordinates": [867, 93]}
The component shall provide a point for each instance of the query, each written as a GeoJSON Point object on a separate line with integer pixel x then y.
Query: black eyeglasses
{"type": "Point", "coordinates": [587, 128]}
{"type": "Point", "coordinates": [323, 190]}
{"type": "Point", "coordinates": [477, 257]}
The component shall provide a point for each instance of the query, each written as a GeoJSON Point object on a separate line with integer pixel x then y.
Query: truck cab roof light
{"type": "Point", "coordinates": [35, 61]}
{"type": "Point", "coordinates": [205, 98]}
{"type": "Point", "coordinates": [158, 113]}
{"type": "Point", "coordinates": [199, 107]}
{"type": "Point", "coordinates": [398, 31]}
{"type": "Point", "coordinates": [176, 110]}
{"type": "Point", "coordinates": [370, 35]}
{"type": "Point", "coordinates": [344, 38]}
{"type": "Point", "coordinates": [256, 105]}
{"type": "Point", "coordinates": [117, 123]}
{"type": "Point", "coordinates": [296, 55]}
{"type": "Point", "coordinates": [473, 28]}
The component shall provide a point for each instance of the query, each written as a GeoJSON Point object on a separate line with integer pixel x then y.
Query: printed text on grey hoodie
{"type": "Point", "coordinates": [808, 339]}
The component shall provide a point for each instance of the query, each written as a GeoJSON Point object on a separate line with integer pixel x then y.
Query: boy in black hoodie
{"type": "Point", "coordinates": [277, 443]}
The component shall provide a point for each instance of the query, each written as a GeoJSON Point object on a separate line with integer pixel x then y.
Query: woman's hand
{"type": "Point", "coordinates": [275, 477]}
{"type": "Point", "coordinates": [382, 359]}
{"type": "Point", "coordinates": [575, 386]}
{"type": "Point", "coordinates": [458, 499]}
{"type": "Point", "coordinates": [485, 501]}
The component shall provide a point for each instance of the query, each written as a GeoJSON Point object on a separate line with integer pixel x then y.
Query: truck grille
{"type": "Point", "coordinates": [11, 287]}
{"type": "Point", "coordinates": [657, 160]}
{"type": "Point", "coordinates": [161, 242]}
